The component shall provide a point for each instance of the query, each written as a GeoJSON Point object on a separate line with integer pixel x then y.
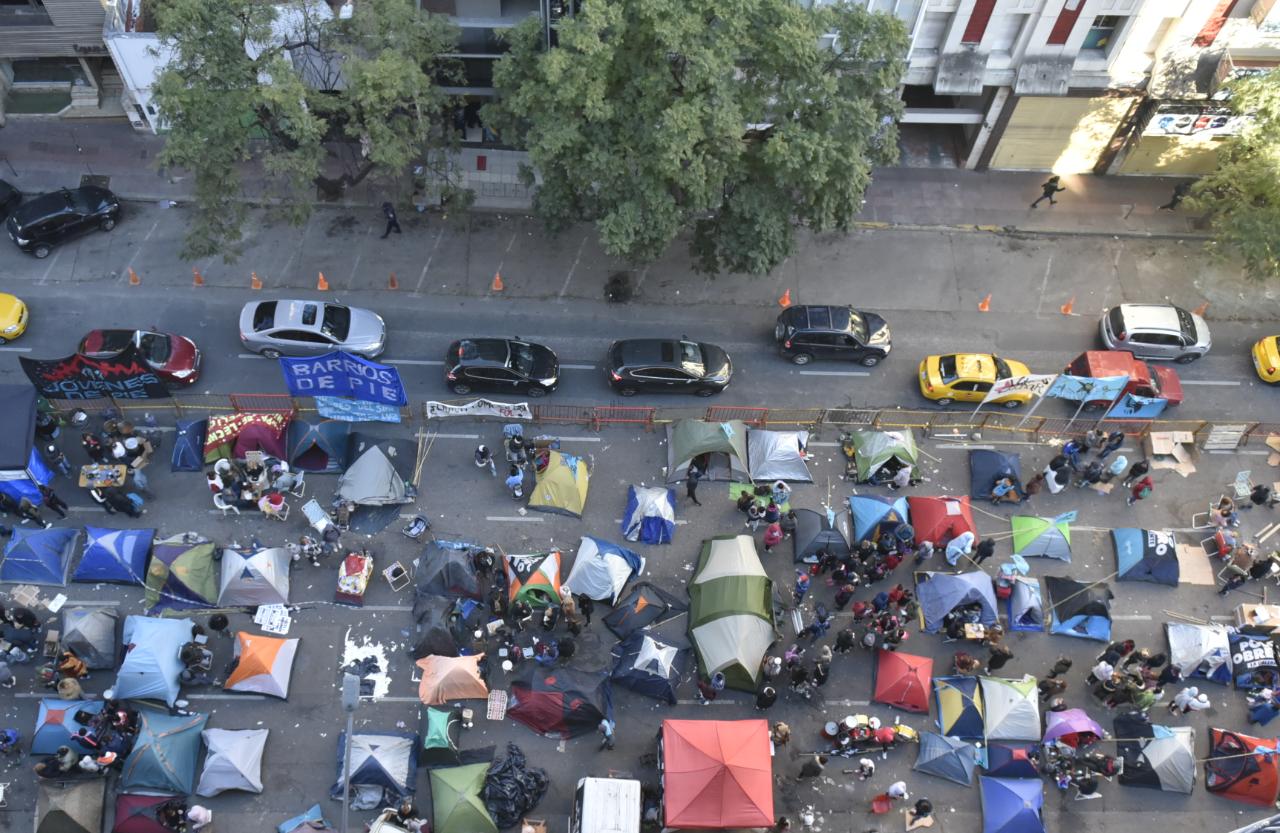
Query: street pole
{"type": "Point", "coordinates": [350, 700]}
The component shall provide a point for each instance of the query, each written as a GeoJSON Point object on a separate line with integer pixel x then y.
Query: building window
{"type": "Point", "coordinates": [23, 13]}
{"type": "Point", "coordinates": [1102, 32]}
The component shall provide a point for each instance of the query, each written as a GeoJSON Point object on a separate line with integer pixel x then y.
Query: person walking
{"type": "Point", "coordinates": [772, 536]}
{"type": "Point", "coordinates": [52, 500]}
{"type": "Point", "coordinates": [606, 728]}
{"type": "Point", "coordinates": [1114, 440]}
{"type": "Point", "coordinates": [1050, 187]}
{"type": "Point", "coordinates": [1180, 192]}
{"type": "Point", "coordinates": [28, 511]}
{"type": "Point", "coordinates": [691, 485]}
{"type": "Point", "coordinates": [780, 735]}
{"type": "Point", "coordinates": [985, 549]}
{"type": "Point", "coordinates": [1137, 470]}
{"type": "Point", "coordinates": [393, 224]}
{"type": "Point", "coordinates": [802, 585]}
{"type": "Point", "coordinates": [515, 483]}
{"type": "Point", "coordinates": [766, 696]}
{"type": "Point", "coordinates": [1061, 666]}
{"type": "Point", "coordinates": [586, 606]}
{"type": "Point", "coordinates": [1140, 490]}
{"type": "Point", "coordinates": [707, 692]}
{"type": "Point", "coordinates": [998, 656]}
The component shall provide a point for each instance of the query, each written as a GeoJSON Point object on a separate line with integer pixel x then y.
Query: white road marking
{"type": "Point", "coordinates": [833, 373]}
{"type": "Point", "coordinates": [427, 265]}
{"type": "Point", "coordinates": [249, 356]}
{"type": "Point", "coordinates": [452, 437]}
{"type": "Point", "coordinates": [573, 268]}
{"type": "Point", "coordinates": [91, 603]}
{"type": "Point", "coordinates": [224, 697]}
{"type": "Point", "coordinates": [1239, 451]}
{"type": "Point", "coordinates": [819, 444]}
{"type": "Point", "coordinates": [425, 362]}
{"type": "Point", "coordinates": [16, 349]}
{"type": "Point", "coordinates": [966, 445]}
{"type": "Point", "coordinates": [388, 608]}
{"type": "Point", "coordinates": [56, 253]}
{"type": "Point", "coordinates": [1211, 381]}
{"type": "Point", "coordinates": [577, 367]}
{"type": "Point", "coordinates": [1222, 618]}
{"type": "Point", "coordinates": [712, 703]}
{"type": "Point", "coordinates": [86, 509]}
{"type": "Point", "coordinates": [376, 700]}
{"type": "Point", "coordinates": [513, 519]}
{"type": "Point", "coordinates": [580, 439]}
{"type": "Point", "coordinates": [124, 275]}
{"type": "Point", "coordinates": [1131, 617]}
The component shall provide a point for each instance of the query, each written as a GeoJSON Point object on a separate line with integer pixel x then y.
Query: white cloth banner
{"type": "Point", "coordinates": [480, 407]}
{"type": "Point", "coordinates": [1035, 385]}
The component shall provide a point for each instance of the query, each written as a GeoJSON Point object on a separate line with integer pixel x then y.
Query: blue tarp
{"type": "Point", "coordinates": [1079, 610]}
{"type": "Point", "coordinates": [944, 592]}
{"type": "Point", "coordinates": [165, 753]}
{"type": "Point", "coordinates": [1132, 406]}
{"type": "Point", "coordinates": [949, 758]}
{"type": "Point", "coordinates": [986, 466]}
{"type": "Point", "coordinates": [39, 556]}
{"type": "Point", "coordinates": [188, 445]}
{"type": "Point", "coordinates": [151, 665]}
{"type": "Point", "coordinates": [21, 466]}
{"type": "Point", "coordinates": [1011, 759]}
{"type": "Point", "coordinates": [56, 723]}
{"type": "Point", "coordinates": [650, 515]}
{"type": "Point", "coordinates": [342, 374]}
{"type": "Point", "coordinates": [319, 447]}
{"type": "Point", "coordinates": [876, 514]}
{"type": "Point", "coordinates": [1011, 805]}
{"type": "Point", "coordinates": [114, 555]}
{"type": "Point", "coordinates": [1024, 607]}
{"type": "Point", "coordinates": [1146, 555]}
{"type": "Point", "coordinates": [311, 820]}
{"type": "Point", "coordinates": [1077, 388]}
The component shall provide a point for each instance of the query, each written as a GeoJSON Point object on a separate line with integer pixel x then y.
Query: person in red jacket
{"type": "Point", "coordinates": [1140, 490]}
{"type": "Point", "coordinates": [772, 536]}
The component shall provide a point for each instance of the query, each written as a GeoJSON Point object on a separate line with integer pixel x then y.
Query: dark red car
{"type": "Point", "coordinates": [174, 358]}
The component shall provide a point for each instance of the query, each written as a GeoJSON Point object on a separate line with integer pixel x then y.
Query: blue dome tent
{"type": "Point", "coordinates": [1146, 555]}
{"type": "Point", "coordinates": [1011, 759]}
{"type": "Point", "coordinates": [118, 556]}
{"type": "Point", "coordinates": [188, 445]}
{"type": "Point", "coordinates": [1011, 805]}
{"type": "Point", "coordinates": [22, 469]}
{"type": "Point", "coordinates": [648, 666]}
{"type": "Point", "coordinates": [987, 466]}
{"type": "Point", "coordinates": [1025, 608]}
{"type": "Point", "coordinates": [39, 556]}
{"type": "Point", "coordinates": [950, 758]}
{"type": "Point", "coordinates": [165, 753]}
{"type": "Point", "coordinates": [151, 665]}
{"type": "Point", "coordinates": [319, 447]}
{"type": "Point", "coordinates": [958, 701]}
{"type": "Point", "coordinates": [1079, 609]}
{"type": "Point", "coordinates": [874, 515]}
{"type": "Point", "coordinates": [814, 532]}
{"type": "Point", "coordinates": [941, 593]}
{"type": "Point", "coordinates": [56, 724]}
{"type": "Point", "coordinates": [650, 516]}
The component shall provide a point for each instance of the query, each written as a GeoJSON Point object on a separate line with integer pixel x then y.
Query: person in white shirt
{"type": "Point", "coordinates": [1188, 700]}
{"type": "Point", "coordinates": [898, 791]}
{"type": "Point", "coordinates": [960, 545]}
{"type": "Point", "coordinates": [1101, 672]}
{"type": "Point", "coordinates": [199, 816]}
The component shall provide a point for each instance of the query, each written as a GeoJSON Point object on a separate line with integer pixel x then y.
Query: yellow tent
{"type": "Point", "coordinates": [561, 484]}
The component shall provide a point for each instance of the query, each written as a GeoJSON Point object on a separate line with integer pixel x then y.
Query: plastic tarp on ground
{"type": "Point", "coordinates": [1078, 609]}
{"type": "Point", "coordinates": [443, 571]}
{"type": "Point", "coordinates": [512, 788]}
{"type": "Point", "coordinates": [939, 519]}
{"type": "Point", "coordinates": [1011, 805]}
{"type": "Point", "coordinates": [264, 664]}
{"type": "Point", "coordinates": [1037, 537]}
{"type": "Point", "coordinates": [140, 814]}
{"type": "Point", "coordinates": [70, 806]}
{"type": "Point", "coordinates": [188, 445]}
{"type": "Point", "coordinates": [182, 574]}
{"type": "Point", "coordinates": [643, 605]}
{"type": "Point", "coordinates": [1232, 772]}
{"type": "Point", "coordinates": [56, 724]}
{"type": "Point", "coordinates": [384, 769]}
{"type": "Point", "coordinates": [1011, 759]}
{"type": "Point", "coordinates": [731, 610]}
{"type": "Point", "coordinates": [313, 819]}
{"type": "Point", "coordinates": [21, 466]}
{"type": "Point", "coordinates": [1146, 555]}
{"type": "Point", "coordinates": [438, 734]}
{"type": "Point", "coordinates": [958, 701]}
{"type": "Point", "coordinates": [440, 630]}
{"type": "Point", "coordinates": [534, 578]}
{"type": "Point", "coordinates": [902, 681]}
{"type": "Point", "coordinates": [1024, 607]}
{"type": "Point", "coordinates": [1155, 757]}
{"type": "Point", "coordinates": [941, 593]}
{"type": "Point", "coordinates": [722, 447]}
{"type": "Point", "coordinates": [117, 556]}
{"type": "Point", "coordinates": [259, 578]}
{"type": "Point", "coordinates": [601, 569]}
{"type": "Point", "coordinates": [39, 556]}
{"type": "Point", "coordinates": [875, 515]}
{"type": "Point", "coordinates": [874, 449]}
{"type": "Point", "coordinates": [165, 753]}
{"type": "Point", "coordinates": [814, 532]}
{"type": "Point", "coordinates": [987, 466]}
{"type": "Point", "coordinates": [650, 514]}
{"type": "Point", "coordinates": [561, 482]}
{"type": "Point", "coordinates": [1071, 726]}
{"type": "Point", "coordinates": [1202, 651]}
{"type": "Point", "coordinates": [559, 702]}
{"type": "Point", "coordinates": [151, 665]}
{"type": "Point", "coordinates": [372, 480]}
{"type": "Point", "coordinates": [946, 757]}
{"type": "Point", "coordinates": [649, 666]}
{"type": "Point", "coordinates": [778, 455]}
{"type": "Point", "coordinates": [1012, 708]}
{"type": "Point", "coordinates": [716, 774]}
{"type": "Point", "coordinates": [456, 805]}
{"type": "Point", "coordinates": [451, 678]}
{"type": "Point", "coordinates": [91, 633]}
{"type": "Point", "coordinates": [233, 762]}
{"type": "Point", "coordinates": [319, 447]}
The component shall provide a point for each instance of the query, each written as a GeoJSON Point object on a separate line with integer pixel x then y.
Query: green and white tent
{"type": "Point", "coordinates": [731, 610]}
{"type": "Point", "coordinates": [456, 804]}
{"type": "Point", "coordinates": [875, 448]}
{"type": "Point", "coordinates": [719, 447]}
{"type": "Point", "coordinates": [1036, 537]}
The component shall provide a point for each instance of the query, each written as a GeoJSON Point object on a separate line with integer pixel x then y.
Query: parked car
{"type": "Point", "coordinates": [1266, 359]}
{"type": "Point", "coordinates": [968, 377]}
{"type": "Point", "coordinates": [13, 317]}
{"type": "Point", "coordinates": [174, 358]}
{"type": "Point", "coordinates": [503, 365]}
{"type": "Point", "coordinates": [10, 198]}
{"type": "Point", "coordinates": [49, 219]}
{"type": "Point", "coordinates": [667, 366]}
{"type": "Point", "coordinates": [1157, 383]}
{"type": "Point", "coordinates": [310, 328]}
{"type": "Point", "coordinates": [805, 333]}
{"type": "Point", "coordinates": [1155, 331]}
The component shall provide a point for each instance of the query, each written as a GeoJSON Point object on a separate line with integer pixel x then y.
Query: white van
{"type": "Point", "coordinates": [606, 805]}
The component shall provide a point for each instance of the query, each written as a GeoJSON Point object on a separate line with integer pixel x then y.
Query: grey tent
{"type": "Point", "coordinates": [318, 446]}
{"type": "Point", "coordinates": [446, 571]}
{"type": "Point", "coordinates": [259, 578]}
{"type": "Point", "coordinates": [384, 769]}
{"type": "Point", "coordinates": [778, 455]}
{"type": "Point", "coordinates": [233, 762]}
{"type": "Point", "coordinates": [946, 757]}
{"type": "Point", "coordinates": [1156, 757]}
{"type": "Point", "coordinates": [720, 448]}
{"type": "Point", "coordinates": [91, 633]}
{"type": "Point", "coordinates": [372, 480]}
{"type": "Point", "coordinates": [814, 532]}
{"type": "Point", "coordinates": [70, 806]}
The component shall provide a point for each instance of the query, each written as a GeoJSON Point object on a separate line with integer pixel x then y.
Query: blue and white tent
{"type": "Point", "coordinates": [1146, 555]}
{"type": "Point", "coordinates": [601, 570]}
{"type": "Point", "coordinates": [151, 665]}
{"type": "Point", "coordinates": [39, 556]}
{"type": "Point", "coordinates": [1078, 609]}
{"type": "Point", "coordinates": [941, 593]}
{"type": "Point", "coordinates": [56, 724]}
{"type": "Point", "coordinates": [165, 753]}
{"type": "Point", "coordinates": [649, 666]}
{"type": "Point", "coordinates": [384, 769]}
{"type": "Point", "coordinates": [874, 515]}
{"type": "Point", "coordinates": [1025, 608]}
{"type": "Point", "coordinates": [650, 516]}
{"type": "Point", "coordinates": [1202, 651]}
{"type": "Point", "coordinates": [114, 555]}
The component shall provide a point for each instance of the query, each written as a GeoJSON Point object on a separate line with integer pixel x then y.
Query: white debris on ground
{"type": "Point", "coordinates": [353, 651]}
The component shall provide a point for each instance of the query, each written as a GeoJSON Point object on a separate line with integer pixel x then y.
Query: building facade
{"type": "Point", "coordinates": [52, 57]}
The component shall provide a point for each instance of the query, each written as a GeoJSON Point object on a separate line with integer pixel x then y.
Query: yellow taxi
{"type": "Point", "coordinates": [1266, 359]}
{"type": "Point", "coordinates": [968, 377]}
{"type": "Point", "coordinates": [13, 318]}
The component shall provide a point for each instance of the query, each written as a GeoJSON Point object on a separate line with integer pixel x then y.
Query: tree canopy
{"type": "Point", "coordinates": [320, 103]}
{"type": "Point", "coordinates": [737, 121]}
{"type": "Point", "coordinates": [1242, 197]}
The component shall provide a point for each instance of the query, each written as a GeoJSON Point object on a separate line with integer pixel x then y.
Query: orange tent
{"type": "Point", "coordinates": [450, 678]}
{"type": "Point", "coordinates": [265, 664]}
{"type": "Point", "coordinates": [717, 774]}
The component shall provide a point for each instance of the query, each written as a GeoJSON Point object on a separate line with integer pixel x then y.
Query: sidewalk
{"type": "Point", "coordinates": [38, 155]}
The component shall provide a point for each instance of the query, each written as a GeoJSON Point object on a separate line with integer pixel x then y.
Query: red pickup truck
{"type": "Point", "coordinates": [1162, 384]}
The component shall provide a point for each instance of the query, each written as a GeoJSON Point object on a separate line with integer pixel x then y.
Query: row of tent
{"type": "Point", "coordinates": [1076, 608]}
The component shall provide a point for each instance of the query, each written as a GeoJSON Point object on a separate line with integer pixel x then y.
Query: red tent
{"type": "Point", "coordinates": [939, 519]}
{"type": "Point", "coordinates": [717, 774]}
{"type": "Point", "coordinates": [903, 681]}
{"type": "Point", "coordinates": [137, 813]}
{"type": "Point", "coordinates": [1233, 773]}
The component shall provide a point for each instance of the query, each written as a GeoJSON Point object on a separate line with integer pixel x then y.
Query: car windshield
{"type": "Point", "coordinates": [857, 325]}
{"type": "Point", "coordinates": [337, 322]}
{"type": "Point", "coordinates": [1188, 326]}
{"type": "Point", "coordinates": [522, 358]}
{"type": "Point", "coordinates": [1002, 368]}
{"type": "Point", "coordinates": [155, 347]}
{"type": "Point", "coordinates": [690, 354]}
{"type": "Point", "coordinates": [1116, 319]}
{"type": "Point", "coordinates": [947, 368]}
{"type": "Point", "coordinates": [264, 316]}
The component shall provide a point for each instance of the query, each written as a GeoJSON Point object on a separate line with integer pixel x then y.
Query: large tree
{"type": "Point", "coordinates": [736, 120]}
{"type": "Point", "coordinates": [1242, 197]}
{"type": "Point", "coordinates": [319, 102]}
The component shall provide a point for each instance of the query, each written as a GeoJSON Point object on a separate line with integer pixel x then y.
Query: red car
{"type": "Point", "coordinates": [174, 358]}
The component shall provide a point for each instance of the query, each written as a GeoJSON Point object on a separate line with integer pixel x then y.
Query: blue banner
{"type": "Point", "coordinates": [1080, 388]}
{"type": "Point", "coordinates": [342, 374]}
{"type": "Point", "coordinates": [353, 410]}
{"type": "Point", "coordinates": [1137, 407]}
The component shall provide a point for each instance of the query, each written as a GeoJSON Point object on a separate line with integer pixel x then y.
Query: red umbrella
{"type": "Point", "coordinates": [903, 680]}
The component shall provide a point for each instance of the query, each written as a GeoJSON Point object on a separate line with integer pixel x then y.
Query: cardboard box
{"type": "Point", "coordinates": [1258, 618]}
{"type": "Point", "coordinates": [1171, 450]}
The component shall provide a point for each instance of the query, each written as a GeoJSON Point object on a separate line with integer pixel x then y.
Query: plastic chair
{"type": "Point", "coordinates": [220, 502]}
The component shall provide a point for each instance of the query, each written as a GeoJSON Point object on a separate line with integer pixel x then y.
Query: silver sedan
{"type": "Point", "coordinates": [310, 328]}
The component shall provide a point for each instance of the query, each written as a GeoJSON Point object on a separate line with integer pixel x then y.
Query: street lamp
{"type": "Point", "coordinates": [350, 700]}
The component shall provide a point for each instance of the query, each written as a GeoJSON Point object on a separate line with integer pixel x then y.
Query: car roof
{"type": "Point", "coordinates": [977, 366]}
{"type": "Point", "coordinates": [289, 314]}
{"type": "Point", "coordinates": [1109, 362]}
{"type": "Point", "coordinates": [643, 350]}
{"type": "Point", "coordinates": [822, 317]}
{"type": "Point", "coordinates": [1151, 317]}
{"type": "Point", "coordinates": [484, 351]}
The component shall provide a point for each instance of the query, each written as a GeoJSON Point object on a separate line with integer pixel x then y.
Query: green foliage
{"type": "Point", "coordinates": [729, 119]}
{"type": "Point", "coordinates": [1242, 197]}
{"type": "Point", "coordinates": [333, 102]}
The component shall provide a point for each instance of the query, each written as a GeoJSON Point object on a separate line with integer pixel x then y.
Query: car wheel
{"type": "Point", "coordinates": [460, 388]}
{"type": "Point", "coordinates": [801, 358]}
{"type": "Point", "coordinates": [1012, 403]}
{"type": "Point", "coordinates": [41, 251]}
{"type": "Point", "coordinates": [107, 224]}
{"type": "Point", "coordinates": [271, 353]}
{"type": "Point", "coordinates": [871, 361]}
{"type": "Point", "coordinates": [1187, 358]}
{"type": "Point", "coordinates": [707, 391]}
{"type": "Point", "coordinates": [4, 340]}
{"type": "Point", "coordinates": [536, 392]}
{"type": "Point", "coordinates": [627, 391]}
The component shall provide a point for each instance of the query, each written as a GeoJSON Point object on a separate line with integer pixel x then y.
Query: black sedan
{"type": "Point", "coordinates": [49, 219]}
{"type": "Point", "coordinates": [667, 366]}
{"type": "Point", "coordinates": [501, 365]}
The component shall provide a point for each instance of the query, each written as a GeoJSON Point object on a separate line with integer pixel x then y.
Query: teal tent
{"type": "Point", "coordinates": [165, 754]}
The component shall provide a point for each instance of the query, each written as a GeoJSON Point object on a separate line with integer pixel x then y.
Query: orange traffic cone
{"type": "Point", "coordinates": [392, 283]}
{"type": "Point", "coordinates": [321, 284]}
{"type": "Point", "coordinates": [785, 300]}
{"type": "Point", "coordinates": [1202, 309]}
{"type": "Point", "coordinates": [134, 280]}
{"type": "Point", "coordinates": [497, 285]}
{"type": "Point", "coordinates": [985, 304]}
{"type": "Point", "coordinates": [1066, 308]}
{"type": "Point", "coordinates": [197, 279]}
{"type": "Point", "coordinates": [255, 282]}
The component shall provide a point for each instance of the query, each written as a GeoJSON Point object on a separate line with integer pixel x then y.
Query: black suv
{"type": "Point", "coordinates": [50, 219]}
{"type": "Point", "coordinates": [503, 365]}
{"type": "Point", "coordinates": [807, 333]}
{"type": "Point", "coordinates": [667, 366]}
{"type": "Point", "coordinates": [10, 198]}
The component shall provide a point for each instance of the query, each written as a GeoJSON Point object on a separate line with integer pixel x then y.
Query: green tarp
{"type": "Point", "coordinates": [723, 443]}
{"type": "Point", "coordinates": [731, 610]}
{"type": "Point", "coordinates": [455, 800]}
{"type": "Point", "coordinates": [875, 448]}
